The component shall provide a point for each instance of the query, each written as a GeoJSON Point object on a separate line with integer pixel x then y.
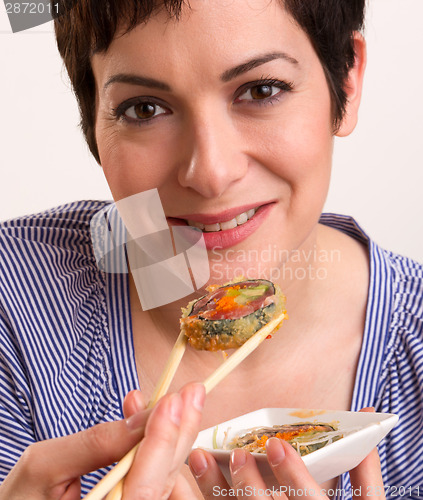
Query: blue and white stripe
{"type": "Point", "coordinates": [66, 347]}
{"type": "Point", "coordinates": [390, 368]}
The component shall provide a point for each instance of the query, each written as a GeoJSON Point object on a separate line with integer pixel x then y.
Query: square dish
{"type": "Point", "coordinates": [363, 432]}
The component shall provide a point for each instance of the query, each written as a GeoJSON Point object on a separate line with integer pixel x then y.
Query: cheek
{"type": "Point", "coordinates": [297, 147]}
{"type": "Point", "coordinates": [309, 145]}
{"type": "Point", "coordinates": [132, 166]}
{"type": "Point", "coordinates": [308, 168]}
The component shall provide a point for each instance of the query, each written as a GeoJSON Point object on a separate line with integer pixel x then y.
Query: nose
{"type": "Point", "coordinates": [214, 159]}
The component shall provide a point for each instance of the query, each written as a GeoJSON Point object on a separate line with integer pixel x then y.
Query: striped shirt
{"type": "Point", "coordinates": [66, 347]}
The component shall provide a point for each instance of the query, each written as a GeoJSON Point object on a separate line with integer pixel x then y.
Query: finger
{"type": "Point", "coordinates": [184, 489]}
{"type": "Point", "coordinates": [366, 478]}
{"type": "Point", "coordinates": [149, 473]}
{"type": "Point", "coordinates": [73, 491]}
{"type": "Point", "coordinates": [133, 403]}
{"type": "Point", "coordinates": [290, 471]}
{"type": "Point", "coordinates": [208, 475]}
{"type": "Point", "coordinates": [193, 396]}
{"type": "Point", "coordinates": [246, 478]}
{"type": "Point", "coordinates": [86, 451]}
{"type": "Point", "coordinates": [51, 468]}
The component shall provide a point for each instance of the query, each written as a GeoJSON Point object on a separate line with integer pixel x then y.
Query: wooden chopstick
{"type": "Point", "coordinates": [117, 492]}
{"type": "Point", "coordinates": [110, 482]}
{"type": "Point", "coordinates": [113, 481]}
{"type": "Point", "coordinates": [113, 478]}
{"type": "Point", "coordinates": [169, 371]}
{"type": "Point", "coordinates": [242, 352]}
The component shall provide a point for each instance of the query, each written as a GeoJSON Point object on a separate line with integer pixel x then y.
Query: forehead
{"type": "Point", "coordinates": [209, 36]}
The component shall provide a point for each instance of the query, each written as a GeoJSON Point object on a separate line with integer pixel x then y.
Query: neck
{"type": "Point", "coordinates": [306, 273]}
{"type": "Point", "coordinates": [326, 311]}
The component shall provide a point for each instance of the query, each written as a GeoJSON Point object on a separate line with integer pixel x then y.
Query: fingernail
{"type": "Point", "coordinates": [139, 401]}
{"type": "Point", "coordinates": [175, 408]}
{"type": "Point", "coordinates": [275, 451]}
{"type": "Point", "coordinates": [137, 421]}
{"type": "Point", "coordinates": [238, 459]}
{"type": "Point", "coordinates": [198, 463]}
{"type": "Point", "coordinates": [199, 397]}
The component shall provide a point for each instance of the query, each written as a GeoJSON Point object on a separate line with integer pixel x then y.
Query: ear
{"type": "Point", "coordinates": [353, 87]}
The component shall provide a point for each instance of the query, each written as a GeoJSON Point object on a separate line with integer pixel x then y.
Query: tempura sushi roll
{"type": "Point", "coordinates": [305, 437]}
{"type": "Point", "coordinates": [230, 314]}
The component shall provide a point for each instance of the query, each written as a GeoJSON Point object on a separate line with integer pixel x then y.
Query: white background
{"type": "Point", "coordinates": [378, 171]}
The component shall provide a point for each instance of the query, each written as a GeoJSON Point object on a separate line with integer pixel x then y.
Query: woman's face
{"type": "Point", "coordinates": [227, 113]}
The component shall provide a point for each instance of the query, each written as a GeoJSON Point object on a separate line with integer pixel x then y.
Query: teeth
{"type": "Point", "coordinates": [242, 218]}
{"type": "Point", "coordinates": [196, 224]}
{"type": "Point", "coordinates": [212, 227]}
{"type": "Point", "coordinates": [230, 224]}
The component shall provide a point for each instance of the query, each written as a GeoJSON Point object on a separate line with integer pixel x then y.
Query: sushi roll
{"type": "Point", "coordinates": [230, 314]}
{"type": "Point", "coordinates": [305, 437]}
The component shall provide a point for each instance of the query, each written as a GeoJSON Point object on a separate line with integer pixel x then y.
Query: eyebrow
{"type": "Point", "coordinates": [137, 80]}
{"type": "Point", "coordinates": [226, 76]}
{"type": "Point", "coordinates": [232, 73]}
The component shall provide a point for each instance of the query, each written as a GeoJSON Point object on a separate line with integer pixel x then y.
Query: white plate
{"type": "Point", "coordinates": [323, 464]}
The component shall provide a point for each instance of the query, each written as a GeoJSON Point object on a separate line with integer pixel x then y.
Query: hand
{"type": "Point", "coordinates": [288, 468]}
{"type": "Point", "coordinates": [158, 470]}
{"type": "Point", "coordinates": [50, 470]}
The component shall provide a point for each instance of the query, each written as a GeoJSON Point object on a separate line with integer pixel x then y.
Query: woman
{"type": "Point", "coordinates": [229, 110]}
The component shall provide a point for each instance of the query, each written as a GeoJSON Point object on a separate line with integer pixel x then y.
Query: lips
{"type": "Point", "coordinates": [220, 230]}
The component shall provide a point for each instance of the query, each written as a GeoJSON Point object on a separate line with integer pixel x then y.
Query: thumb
{"type": "Point", "coordinates": [367, 476]}
{"type": "Point", "coordinates": [133, 403]}
{"type": "Point", "coordinates": [72, 456]}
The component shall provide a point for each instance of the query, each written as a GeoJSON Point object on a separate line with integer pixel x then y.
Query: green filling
{"type": "Point", "coordinates": [243, 327]}
{"type": "Point", "coordinates": [248, 294]}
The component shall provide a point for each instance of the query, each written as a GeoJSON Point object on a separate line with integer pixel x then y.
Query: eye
{"type": "Point", "coordinates": [259, 92]}
{"type": "Point", "coordinates": [143, 111]}
{"type": "Point", "coordinates": [140, 110]}
{"type": "Point", "coordinates": [263, 91]}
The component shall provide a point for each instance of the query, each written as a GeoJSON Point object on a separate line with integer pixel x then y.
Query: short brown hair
{"type": "Point", "coordinates": [87, 26]}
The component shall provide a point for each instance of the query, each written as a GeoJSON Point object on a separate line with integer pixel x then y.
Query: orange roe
{"type": "Point", "coordinates": [226, 304]}
{"type": "Point", "coordinates": [287, 436]}
{"type": "Point", "coordinates": [262, 441]}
